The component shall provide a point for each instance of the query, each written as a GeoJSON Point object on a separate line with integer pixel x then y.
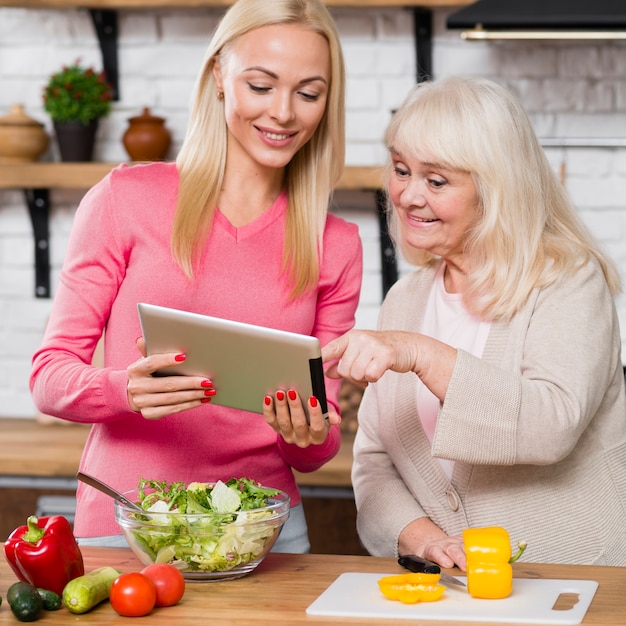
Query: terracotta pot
{"type": "Point", "coordinates": [146, 138]}
{"type": "Point", "coordinates": [22, 138]}
{"type": "Point", "coordinates": [76, 140]}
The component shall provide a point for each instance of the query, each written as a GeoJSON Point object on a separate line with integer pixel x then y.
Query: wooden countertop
{"type": "Point", "coordinates": [284, 585]}
{"type": "Point", "coordinates": [30, 448]}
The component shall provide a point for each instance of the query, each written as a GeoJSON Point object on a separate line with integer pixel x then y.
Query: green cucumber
{"type": "Point", "coordinates": [85, 592]}
{"type": "Point", "coordinates": [25, 601]}
{"type": "Point", "coordinates": [51, 600]}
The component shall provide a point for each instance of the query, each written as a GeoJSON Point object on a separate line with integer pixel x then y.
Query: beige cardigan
{"type": "Point", "coordinates": [536, 427]}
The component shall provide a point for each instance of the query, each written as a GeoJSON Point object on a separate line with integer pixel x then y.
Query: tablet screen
{"type": "Point", "coordinates": [244, 361]}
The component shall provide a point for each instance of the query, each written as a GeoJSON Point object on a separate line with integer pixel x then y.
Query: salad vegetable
{"type": "Point", "coordinates": [44, 553]}
{"type": "Point", "coordinates": [489, 571]}
{"type": "Point", "coordinates": [203, 526]}
{"type": "Point", "coordinates": [412, 588]}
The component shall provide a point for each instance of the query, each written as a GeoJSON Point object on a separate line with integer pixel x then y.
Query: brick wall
{"type": "Point", "coordinates": [575, 93]}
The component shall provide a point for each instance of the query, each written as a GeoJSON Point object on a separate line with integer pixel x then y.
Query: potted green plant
{"type": "Point", "coordinates": [76, 98]}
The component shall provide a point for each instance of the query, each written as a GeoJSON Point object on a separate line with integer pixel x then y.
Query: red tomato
{"type": "Point", "coordinates": [169, 583]}
{"type": "Point", "coordinates": [132, 595]}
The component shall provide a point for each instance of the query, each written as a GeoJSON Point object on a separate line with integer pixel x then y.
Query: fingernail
{"type": "Point", "coordinates": [206, 383]}
{"type": "Point", "coordinates": [210, 392]}
{"type": "Point", "coordinates": [292, 394]}
{"type": "Point", "coordinates": [180, 357]}
{"type": "Point", "coordinates": [267, 400]}
{"type": "Point", "coordinates": [205, 400]}
{"type": "Point", "coordinates": [313, 402]}
{"type": "Point", "coordinates": [280, 395]}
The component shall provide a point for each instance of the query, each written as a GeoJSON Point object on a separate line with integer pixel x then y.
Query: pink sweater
{"type": "Point", "coordinates": [119, 255]}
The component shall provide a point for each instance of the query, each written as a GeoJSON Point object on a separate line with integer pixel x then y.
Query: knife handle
{"type": "Point", "coordinates": [417, 564]}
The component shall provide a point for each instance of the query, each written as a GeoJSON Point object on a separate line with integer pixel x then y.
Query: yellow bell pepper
{"type": "Point", "coordinates": [411, 588]}
{"type": "Point", "coordinates": [488, 552]}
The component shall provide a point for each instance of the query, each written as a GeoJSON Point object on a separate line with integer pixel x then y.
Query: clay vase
{"type": "Point", "coordinates": [76, 140]}
{"type": "Point", "coordinates": [146, 138]}
{"type": "Point", "coordinates": [22, 138]}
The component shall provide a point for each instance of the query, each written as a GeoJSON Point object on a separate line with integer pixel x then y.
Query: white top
{"type": "Point", "coordinates": [447, 320]}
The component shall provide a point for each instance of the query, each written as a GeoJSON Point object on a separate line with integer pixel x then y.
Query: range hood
{"type": "Point", "coordinates": [541, 19]}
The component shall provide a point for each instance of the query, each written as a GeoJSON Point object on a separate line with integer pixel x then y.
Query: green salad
{"type": "Point", "coordinates": [204, 527]}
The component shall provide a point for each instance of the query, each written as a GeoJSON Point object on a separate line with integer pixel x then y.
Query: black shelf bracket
{"type": "Point", "coordinates": [388, 263]}
{"type": "Point", "coordinates": [38, 201]}
{"type": "Point", "coordinates": [105, 23]}
{"type": "Point", "coordinates": [423, 37]}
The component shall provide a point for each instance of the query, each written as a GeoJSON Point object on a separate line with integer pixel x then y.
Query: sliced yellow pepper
{"type": "Point", "coordinates": [411, 588]}
{"type": "Point", "coordinates": [488, 551]}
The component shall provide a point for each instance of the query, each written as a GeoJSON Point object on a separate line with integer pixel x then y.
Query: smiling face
{"type": "Point", "coordinates": [275, 81]}
{"type": "Point", "coordinates": [435, 206]}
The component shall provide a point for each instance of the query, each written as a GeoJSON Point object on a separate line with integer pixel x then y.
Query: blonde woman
{"type": "Point", "coordinates": [496, 390]}
{"type": "Point", "coordinates": [236, 228]}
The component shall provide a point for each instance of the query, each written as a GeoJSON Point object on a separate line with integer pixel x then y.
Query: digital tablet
{"type": "Point", "coordinates": [244, 361]}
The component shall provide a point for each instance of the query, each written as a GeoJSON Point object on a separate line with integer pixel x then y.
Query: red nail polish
{"type": "Point", "coordinates": [280, 395]}
{"type": "Point", "coordinates": [180, 357]}
{"type": "Point", "coordinates": [292, 394]}
{"type": "Point", "coordinates": [210, 392]}
{"type": "Point", "coordinates": [206, 383]}
{"type": "Point", "coordinates": [267, 400]}
{"type": "Point", "coordinates": [205, 400]}
{"type": "Point", "coordinates": [313, 402]}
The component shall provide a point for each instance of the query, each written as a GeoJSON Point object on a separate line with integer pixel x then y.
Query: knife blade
{"type": "Point", "coordinates": [417, 564]}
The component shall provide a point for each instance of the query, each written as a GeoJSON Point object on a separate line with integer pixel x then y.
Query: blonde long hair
{"type": "Point", "coordinates": [311, 175]}
{"type": "Point", "coordinates": [529, 234]}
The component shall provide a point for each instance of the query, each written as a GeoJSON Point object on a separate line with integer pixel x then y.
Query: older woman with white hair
{"type": "Point", "coordinates": [495, 385]}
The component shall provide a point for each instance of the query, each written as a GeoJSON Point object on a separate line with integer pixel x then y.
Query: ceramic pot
{"type": "Point", "coordinates": [76, 140]}
{"type": "Point", "coordinates": [22, 138]}
{"type": "Point", "coordinates": [146, 138]}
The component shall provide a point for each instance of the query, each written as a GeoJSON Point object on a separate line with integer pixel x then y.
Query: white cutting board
{"type": "Point", "coordinates": [358, 595]}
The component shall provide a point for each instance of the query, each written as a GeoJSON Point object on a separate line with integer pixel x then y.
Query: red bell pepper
{"type": "Point", "coordinates": [45, 553]}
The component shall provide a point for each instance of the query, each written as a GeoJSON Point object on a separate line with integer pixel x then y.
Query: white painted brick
{"type": "Point", "coordinates": [355, 25]}
{"type": "Point", "coordinates": [620, 94]}
{"type": "Point", "coordinates": [396, 25]}
{"type": "Point", "coordinates": [16, 251]}
{"type": "Point", "coordinates": [463, 58]}
{"type": "Point", "coordinates": [608, 125]}
{"type": "Point", "coordinates": [185, 27]}
{"type": "Point", "coordinates": [588, 193]}
{"type": "Point", "coordinates": [590, 162]}
{"type": "Point", "coordinates": [366, 125]}
{"type": "Point", "coordinates": [589, 60]}
{"type": "Point", "coordinates": [552, 95]}
{"type": "Point", "coordinates": [363, 93]}
{"type": "Point", "coordinates": [619, 162]}
{"type": "Point", "coordinates": [138, 28]}
{"type": "Point", "coordinates": [607, 226]}
{"type": "Point", "coordinates": [521, 60]}
{"type": "Point", "coordinates": [395, 60]}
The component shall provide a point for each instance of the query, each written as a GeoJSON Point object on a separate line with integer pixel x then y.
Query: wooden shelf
{"type": "Point", "coordinates": [179, 4]}
{"type": "Point", "coordinates": [85, 175]}
{"type": "Point", "coordinates": [36, 180]}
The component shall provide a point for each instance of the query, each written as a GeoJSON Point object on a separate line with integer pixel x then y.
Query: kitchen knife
{"type": "Point", "coordinates": [418, 564]}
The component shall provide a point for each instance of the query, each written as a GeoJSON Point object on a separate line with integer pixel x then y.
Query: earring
{"type": "Point", "coordinates": [220, 94]}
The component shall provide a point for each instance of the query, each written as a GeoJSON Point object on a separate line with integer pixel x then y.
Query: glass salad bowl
{"type": "Point", "coordinates": [203, 529]}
